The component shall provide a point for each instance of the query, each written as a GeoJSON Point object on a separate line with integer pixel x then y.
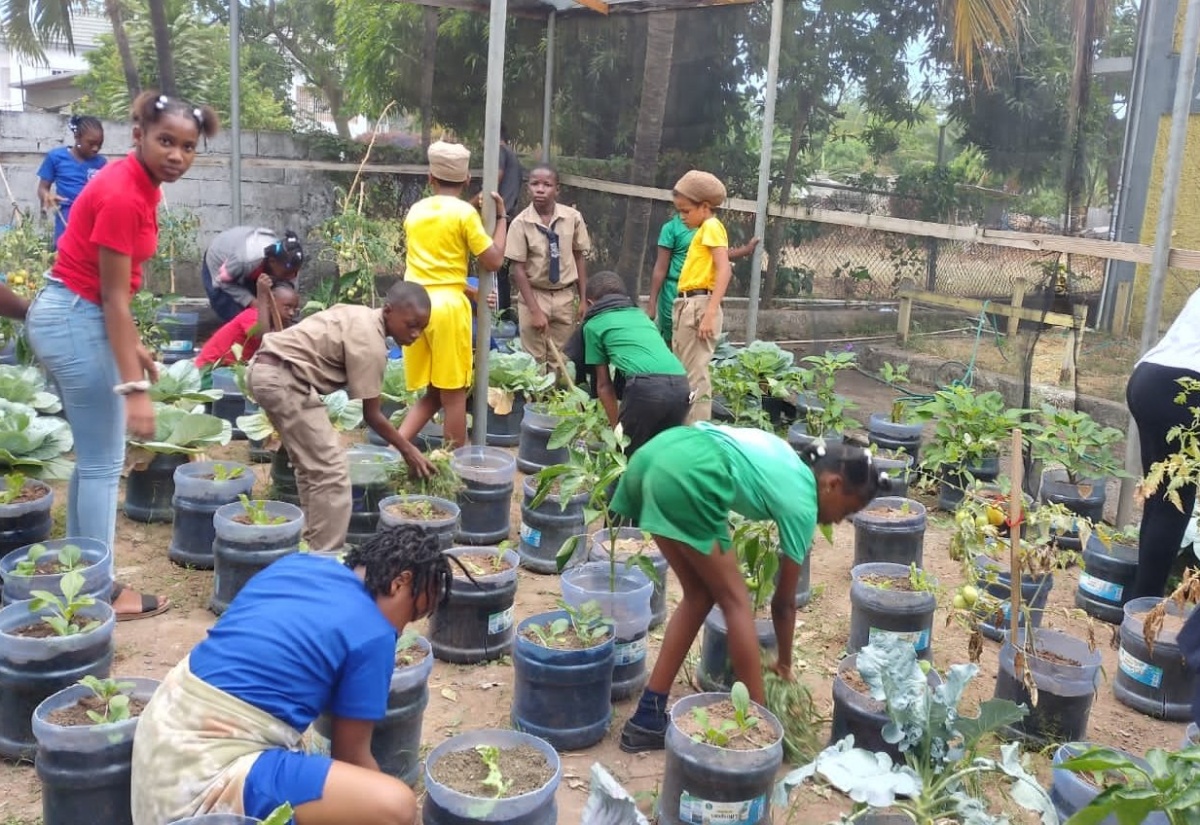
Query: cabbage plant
{"type": "Point", "coordinates": [33, 445]}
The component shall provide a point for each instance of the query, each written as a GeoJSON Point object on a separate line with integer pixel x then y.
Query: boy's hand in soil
{"type": "Point", "coordinates": [418, 464]}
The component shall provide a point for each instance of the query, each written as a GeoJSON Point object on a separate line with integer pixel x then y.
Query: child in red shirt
{"type": "Point", "coordinates": [248, 327]}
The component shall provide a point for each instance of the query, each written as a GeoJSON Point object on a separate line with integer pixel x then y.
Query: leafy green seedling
{"type": "Point", "coordinates": [552, 633]}
{"type": "Point", "coordinates": [739, 697]}
{"type": "Point", "coordinates": [64, 608]}
{"type": "Point", "coordinates": [490, 754]}
{"type": "Point", "coordinates": [14, 485]}
{"type": "Point", "coordinates": [729, 729]}
{"type": "Point", "coordinates": [115, 696]}
{"type": "Point", "coordinates": [223, 472]}
{"type": "Point", "coordinates": [405, 646]}
{"type": "Point", "coordinates": [70, 557]}
{"type": "Point", "coordinates": [256, 511]}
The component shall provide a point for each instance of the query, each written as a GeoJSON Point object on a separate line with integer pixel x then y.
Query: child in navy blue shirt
{"type": "Point", "coordinates": [69, 168]}
{"type": "Point", "coordinates": [305, 636]}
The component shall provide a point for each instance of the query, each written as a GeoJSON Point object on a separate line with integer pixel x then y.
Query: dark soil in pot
{"type": "Point", "coordinates": [883, 599]}
{"type": "Point", "coordinates": [856, 712]}
{"type": "Point", "coordinates": [241, 549]}
{"type": "Point", "coordinates": [95, 564]}
{"type": "Point", "coordinates": [455, 794]}
{"type": "Point", "coordinates": [435, 515]}
{"type": "Point", "coordinates": [198, 496]}
{"type": "Point", "coordinates": [1065, 672]}
{"type": "Point", "coordinates": [148, 492]}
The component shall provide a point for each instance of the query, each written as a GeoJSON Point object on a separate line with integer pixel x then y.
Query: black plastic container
{"type": "Point", "coordinates": [705, 783]}
{"type": "Point", "coordinates": [1065, 691]}
{"type": "Point", "coordinates": [899, 467]}
{"type": "Point", "coordinates": [804, 583]}
{"type": "Point", "coordinates": [445, 806]}
{"type": "Point", "coordinates": [32, 669]}
{"type": "Point", "coordinates": [1035, 590]}
{"type": "Point", "coordinates": [485, 503]}
{"type": "Point", "coordinates": [546, 527]}
{"type": "Point", "coordinates": [1071, 793]}
{"type": "Point", "coordinates": [884, 531]}
{"type": "Point", "coordinates": [715, 671]}
{"type": "Point", "coordinates": [26, 522]}
{"type": "Point", "coordinates": [477, 623]}
{"type": "Point", "coordinates": [443, 526]}
{"type": "Point", "coordinates": [148, 492]}
{"type": "Point", "coordinates": [370, 468]}
{"type": "Point", "coordinates": [955, 482]}
{"type": "Point", "coordinates": [241, 550]}
{"type": "Point", "coordinates": [195, 501]}
{"type": "Point", "coordinates": [1154, 680]}
{"type": "Point", "coordinates": [533, 453]}
{"type": "Point", "coordinates": [888, 435]}
{"type": "Point", "coordinates": [505, 430]}
{"type": "Point", "coordinates": [561, 696]}
{"type": "Point", "coordinates": [874, 610]}
{"type": "Point", "coordinates": [283, 478]}
{"type": "Point", "coordinates": [658, 599]}
{"type": "Point", "coordinates": [85, 769]}
{"type": "Point", "coordinates": [1106, 579]}
{"type": "Point", "coordinates": [862, 715]}
{"type": "Point", "coordinates": [1085, 499]}
{"type": "Point", "coordinates": [799, 437]}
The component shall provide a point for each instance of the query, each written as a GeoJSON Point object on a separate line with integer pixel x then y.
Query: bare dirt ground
{"type": "Point", "coordinates": [469, 697]}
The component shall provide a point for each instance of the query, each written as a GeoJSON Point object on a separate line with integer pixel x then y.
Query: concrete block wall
{"type": "Point", "coordinates": [278, 197]}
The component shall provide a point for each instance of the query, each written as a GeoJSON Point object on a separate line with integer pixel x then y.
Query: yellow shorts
{"type": "Point", "coordinates": [442, 356]}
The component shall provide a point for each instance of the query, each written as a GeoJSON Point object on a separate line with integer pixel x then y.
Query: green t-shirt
{"type": "Point", "coordinates": [769, 481]}
{"type": "Point", "coordinates": [676, 237]}
{"type": "Point", "coordinates": [629, 341]}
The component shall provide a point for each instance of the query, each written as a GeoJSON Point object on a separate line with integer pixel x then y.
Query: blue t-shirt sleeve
{"type": "Point", "coordinates": [48, 171]}
{"type": "Point", "coordinates": [362, 688]}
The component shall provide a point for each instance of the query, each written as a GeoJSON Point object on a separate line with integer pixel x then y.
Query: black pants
{"type": "Point", "coordinates": [1150, 395]}
{"type": "Point", "coordinates": [651, 404]}
{"type": "Point", "coordinates": [503, 289]}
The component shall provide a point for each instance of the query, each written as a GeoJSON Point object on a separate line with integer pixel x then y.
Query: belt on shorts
{"type": "Point", "coordinates": [270, 359]}
{"type": "Point", "coordinates": [692, 293]}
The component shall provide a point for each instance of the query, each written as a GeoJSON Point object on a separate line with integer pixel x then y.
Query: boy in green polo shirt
{"type": "Point", "coordinates": [617, 335]}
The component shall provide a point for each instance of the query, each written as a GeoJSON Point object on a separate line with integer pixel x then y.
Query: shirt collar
{"type": "Point", "coordinates": [141, 177]}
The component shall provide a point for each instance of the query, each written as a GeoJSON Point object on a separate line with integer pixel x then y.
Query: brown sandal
{"type": "Point", "coordinates": [151, 606]}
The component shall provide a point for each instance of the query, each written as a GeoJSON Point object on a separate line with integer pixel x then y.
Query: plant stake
{"type": "Point", "coordinates": [1015, 503]}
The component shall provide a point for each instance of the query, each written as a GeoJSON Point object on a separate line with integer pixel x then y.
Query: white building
{"type": "Point", "coordinates": [26, 85]}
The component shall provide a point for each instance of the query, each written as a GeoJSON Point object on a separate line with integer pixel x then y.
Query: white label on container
{"type": "Point", "coordinates": [626, 653]}
{"type": "Point", "coordinates": [1099, 587]}
{"type": "Point", "coordinates": [1140, 671]}
{"type": "Point", "coordinates": [530, 535]}
{"type": "Point", "coordinates": [918, 638]}
{"type": "Point", "coordinates": [182, 345]}
{"type": "Point", "coordinates": [500, 622]}
{"type": "Point", "coordinates": [696, 811]}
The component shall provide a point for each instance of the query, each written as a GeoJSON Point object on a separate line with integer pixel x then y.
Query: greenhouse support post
{"type": "Point", "coordinates": [764, 168]}
{"type": "Point", "coordinates": [235, 111]}
{"type": "Point", "coordinates": [1180, 113]}
{"type": "Point", "coordinates": [548, 91]}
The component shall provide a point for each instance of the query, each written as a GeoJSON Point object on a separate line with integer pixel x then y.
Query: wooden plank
{"type": "Point", "coordinates": [904, 322]}
{"type": "Point", "coordinates": [1121, 308]}
{"type": "Point", "coordinates": [1018, 298]}
{"type": "Point", "coordinates": [972, 306]}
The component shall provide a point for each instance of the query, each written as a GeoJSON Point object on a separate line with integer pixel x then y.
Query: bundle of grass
{"type": "Point", "coordinates": [793, 706]}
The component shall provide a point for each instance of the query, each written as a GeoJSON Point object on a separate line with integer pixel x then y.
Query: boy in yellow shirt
{"type": "Point", "coordinates": [442, 232]}
{"type": "Point", "coordinates": [696, 314]}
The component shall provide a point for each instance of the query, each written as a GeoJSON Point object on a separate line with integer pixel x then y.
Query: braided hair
{"type": "Point", "coordinates": [860, 477]}
{"type": "Point", "coordinates": [150, 106]}
{"type": "Point", "coordinates": [392, 551]}
{"type": "Point", "coordinates": [82, 124]}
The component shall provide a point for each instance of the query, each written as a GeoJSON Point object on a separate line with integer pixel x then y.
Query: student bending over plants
{"type": "Point", "coordinates": [222, 734]}
{"type": "Point", "coordinates": [681, 488]}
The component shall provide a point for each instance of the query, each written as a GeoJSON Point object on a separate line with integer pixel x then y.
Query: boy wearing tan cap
{"type": "Point", "coordinates": [442, 232]}
{"type": "Point", "coordinates": [696, 314]}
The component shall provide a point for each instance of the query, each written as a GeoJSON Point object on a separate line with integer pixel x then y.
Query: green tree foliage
{"type": "Point", "coordinates": [201, 65]}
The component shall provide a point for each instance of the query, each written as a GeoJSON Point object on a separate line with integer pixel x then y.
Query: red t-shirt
{"type": "Point", "coordinates": [118, 209]}
{"type": "Point", "coordinates": [218, 349]}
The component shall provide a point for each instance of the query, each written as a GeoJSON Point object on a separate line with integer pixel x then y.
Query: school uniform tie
{"type": "Point", "coordinates": [552, 239]}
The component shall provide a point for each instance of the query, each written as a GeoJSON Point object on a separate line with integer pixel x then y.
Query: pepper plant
{"type": "Point", "coordinates": [829, 416]}
{"type": "Point", "coordinates": [969, 427]}
{"type": "Point", "coordinates": [1165, 782]}
{"type": "Point", "coordinates": [1074, 441]}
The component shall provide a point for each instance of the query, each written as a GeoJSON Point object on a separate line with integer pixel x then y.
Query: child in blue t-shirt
{"type": "Point", "coordinates": [69, 168]}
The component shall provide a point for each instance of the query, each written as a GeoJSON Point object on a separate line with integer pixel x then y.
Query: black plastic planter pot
{"type": "Point", "coordinates": [443, 523]}
{"type": "Point", "coordinates": [898, 466]}
{"type": "Point", "coordinates": [890, 529]}
{"type": "Point", "coordinates": [446, 806]}
{"type": "Point", "coordinates": [533, 452]}
{"type": "Point", "coordinates": [370, 468]}
{"type": "Point", "coordinates": [1087, 498]}
{"type": "Point", "coordinates": [862, 715]}
{"type": "Point", "coordinates": [34, 668]}
{"type": "Point", "coordinates": [505, 430]}
{"type": "Point", "coordinates": [85, 769]}
{"type": "Point", "coordinates": [283, 478]}
{"type": "Point", "coordinates": [197, 497]}
{"type": "Point", "coordinates": [803, 584]}
{"type": "Point", "coordinates": [956, 481]}
{"type": "Point", "coordinates": [486, 499]}
{"type": "Point", "coordinates": [1035, 590]}
{"type": "Point", "coordinates": [241, 550]}
{"type": "Point", "coordinates": [26, 522]}
{"type": "Point", "coordinates": [430, 437]}
{"type": "Point", "coordinates": [1106, 579]}
{"type": "Point", "coordinates": [148, 492]}
{"type": "Point", "coordinates": [1065, 672]}
{"type": "Point", "coordinates": [888, 435]}
{"type": "Point", "coordinates": [1071, 793]}
{"type": "Point", "coordinates": [799, 437]}
{"type": "Point", "coordinates": [396, 739]}
{"type": "Point", "coordinates": [1154, 680]}
{"type": "Point", "coordinates": [874, 610]}
{"type": "Point", "coordinates": [388, 408]}
{"type": "Point", "coordinates": [561, 696]}
{"type": "Point", "coordinates": [97, 575]}
{"type": "Point", "coordinates": [624, 600]}
{"type": "Point", "coordinates": [632, 537]}
{"type": "Point", "coordinates": [704, 783]}
{"type": "Point", "coordinates": [715, 671]}
{"type": "Point", "coordinates": [477, 623]}
{"type": "Point", "coordinates": [546, 527]}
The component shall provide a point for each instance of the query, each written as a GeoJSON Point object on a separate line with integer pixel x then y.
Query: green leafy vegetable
{"type": "Point", "coordinates": [344, 414]}
{"type": "Point", "coordinates": [34, 445]}
{"type": "Point", "coordinates": [179, 432]}
{"type": "Point", "coordinates": [63, 609]}
{"type": "Point", "coordinates": [115, 696]}
{"type": "Point", "coordinates": [27, 385]}
{"type": "Point", "coordinates": [180, 383]}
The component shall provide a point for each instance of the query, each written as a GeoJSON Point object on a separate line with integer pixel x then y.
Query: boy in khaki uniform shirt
{"type": "Point", "coordinates": [546, 244]}
{"type": "Point", "coordinates": [342, 347]}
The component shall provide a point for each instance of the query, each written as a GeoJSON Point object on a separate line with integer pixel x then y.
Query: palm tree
{"type": "Point", "coordinates": [162, 46]}
{"type": "Point", "coordinates": [115, 13]}
{"type": "Point", "coordinates": [979, 30]}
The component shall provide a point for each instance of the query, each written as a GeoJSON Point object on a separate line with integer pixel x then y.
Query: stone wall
{"type": "Point", "coordinates": [275, 193]}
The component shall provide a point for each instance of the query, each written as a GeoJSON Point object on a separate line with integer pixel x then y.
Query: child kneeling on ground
{"type": "Point", "coordinates": [249, 327]}
{"type": "Point", "coordinates": [344, 346]}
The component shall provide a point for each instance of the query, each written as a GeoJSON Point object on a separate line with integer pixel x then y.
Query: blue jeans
{"type": "Point", "coordinates": [68, 336]}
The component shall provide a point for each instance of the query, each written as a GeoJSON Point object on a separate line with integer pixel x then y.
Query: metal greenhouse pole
{"type": "Point", "coordinates": [491, 182]}
{"type": "Point", "coordinates": [764, 169]}
{"type": "Point", "coordinates": [548, 93]}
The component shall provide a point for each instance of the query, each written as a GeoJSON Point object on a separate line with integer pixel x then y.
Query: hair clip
{"type": "Point", "coordinates": [161, 103]}
{"type": "Point", "coordinates": [820, 451]}
{"type": "Point", "coordinates": [884, 478]}
{"type": "Point", "coordinates": [198, 115]}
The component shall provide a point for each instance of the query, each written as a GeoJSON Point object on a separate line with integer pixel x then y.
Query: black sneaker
{"type": "Point", "coordinates": [636, 739]}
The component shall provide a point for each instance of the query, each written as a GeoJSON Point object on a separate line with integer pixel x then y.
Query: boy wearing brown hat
{"type": "Point", "coordinates": [442, 232]}
{"type": "Point", "coordinates": [696, 314]}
